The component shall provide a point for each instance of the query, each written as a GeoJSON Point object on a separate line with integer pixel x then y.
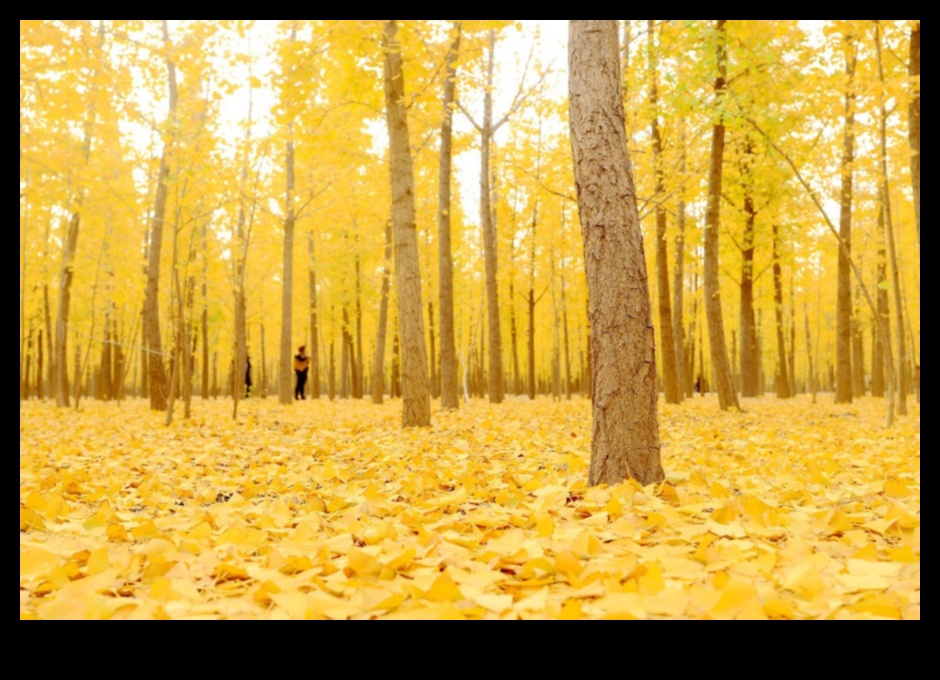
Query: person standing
{"type": "Point", "coordinates": [247, 376]}
{"type": "Point", "coordinates": [301, 366]}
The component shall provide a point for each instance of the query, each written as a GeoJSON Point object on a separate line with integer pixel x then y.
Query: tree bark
{"type": "Point", "coordinates": [913, 113]}
{"type": "Point", "coordinates": [449, 398]}
{"type": "Point", "coordinates": [783, 380]}
{"type": "Point", "coordinates": [749, 359]}
{"type": "Point", "coordinates": [489, 236]}
{"type": "Point", "coordinates": [625, 432]}
{"type": "Point", "coordinates": [416, 396]}
{"type": "Point", "coordinates": [378, 362]}
{"type": "Point", "coordinates": [902, 380]}
{"type": "Point", "coordinates": [724, 383]}
{"type": "Point", "coordinates": [844, 287]}
{"type": "Point", "coordinates": [314, 322]}
{"type": "Point", "coordinates": [156, 372]}
{"type": "Point", "coordinates": [667, 345]}
{"type": "Point", "coordinates": [682, 368]}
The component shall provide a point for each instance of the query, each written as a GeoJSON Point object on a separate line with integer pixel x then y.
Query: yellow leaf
{"type": "Point", "coordinates": [444, 590]}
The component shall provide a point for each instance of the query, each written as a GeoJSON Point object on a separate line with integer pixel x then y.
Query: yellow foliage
{"type": "Point", "coordinates": [329, 510]}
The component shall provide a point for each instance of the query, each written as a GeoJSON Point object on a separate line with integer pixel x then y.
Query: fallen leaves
{"type": "Point", "coordinates": [329, 510]}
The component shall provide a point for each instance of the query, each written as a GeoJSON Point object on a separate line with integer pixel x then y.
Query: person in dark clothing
{"type": "Point", "coordinates": [247, 376]}
{"type": "Point", "coordinates": [301, 366]}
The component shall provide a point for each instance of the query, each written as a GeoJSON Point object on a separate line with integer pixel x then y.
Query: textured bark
{"type": "Point", "coordinates": [65, 299]}
{"type": "Point", "coordinates": [489, 237]}
{"type": "Point", "coordinates": [449, 399]}
{"type": "Point", "coordinates": [724, 383]}
{"type": "Point", "coordinates": [378, 362]}
{"type": "Point", "coordinates": [783, 379]}
{"type": "Point", "coordinates": [625, 433]}
{"type": "Point", "coordinates": [913, 113]}
{"type": "Point", "coordinates": [667, 347]}
{"type": "Point", "coordinates": [844, 285]}
{"type": "Point", "coordinates": [858, 349]}
{"type": "Point", "coordinates": [416, 396]}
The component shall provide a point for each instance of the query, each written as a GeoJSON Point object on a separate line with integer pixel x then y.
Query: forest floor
{"type": "Point", "coordinates": [330, 510]}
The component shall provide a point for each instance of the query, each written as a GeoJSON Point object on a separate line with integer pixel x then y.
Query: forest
{"type": "Point", "coordinates": [469, 319]}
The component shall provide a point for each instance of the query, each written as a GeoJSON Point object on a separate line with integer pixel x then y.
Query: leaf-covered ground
{"type": "Point", "coordinates": [788, 510]}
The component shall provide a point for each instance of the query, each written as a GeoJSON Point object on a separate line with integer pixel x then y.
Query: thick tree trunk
{"type": "Point", "coordinates": [667, 347]}
{"type": "Point", "coordinates": [625, 436]}
{"type": "Point", "coordinates": [378, 362]}
{"type": "Point", "coordinates": [724, 383]}
{"type": "Point", "coordinates": [416, 397]}
{"type": "Point", "coordinates": [844, 287]}
{"type": "Point", "coordinates": [449, 399]}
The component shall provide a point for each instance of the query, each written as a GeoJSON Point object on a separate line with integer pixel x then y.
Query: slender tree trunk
{"type": "Point", "coordinates": [564, 315]}
{"type": "Point", "coordinates": [489, 236]}
{"type": "Point", "coordinates": [157, 374]}
{"type": "Point", "coordinates": [844, 288]}
{"type": "Point", "coordinates": [416, 398]}
{"type": "Point", "coordinates": [39, 358]}
{"type": "Point", "coordinates": [314, 322]}
{"type": "Point", "coordinates": [625, 435]}
{"type": "Point", "coordinates": [395, 388]}
{"type": "Point", "coordinates": [913, 113]}
{"type": "Point", "coordinates": [902, 383]}
{"type": "Point", "coordinates": [750, 378]}
{"type": "Point", "coordinates": [449, 399]}
{"type": "Point", "coordinates": [667, 345]}
{"type": "Point", "coordinates": [378, 363]}
{"type": "Point", "coordinates": [811, 368]}
{"type": "Point", "coordinates": [331, 374]}
{"type": "Point", "coordinates": [51, 378]}
{"type": "Point", "coordinates": [205, 314]}
{"type": "Point", "coordinates": [724, 383]}
{"type": "Point", "coordinates": [286, 386]}
{"type": "Point", "coordinates": [783, 380]}
{"type": "Point", "coordinates": [881, 300]}
{"type": "Point", "coordinates": [65, 297]}
{"type": "Point", "coordinates": [514, 337]}
{"type": "Point", "coordinates": [858, 348]}
{"type": "Point", "coordinates": [682, 368]}
{"type": "Point", "coordinates": [359, 363]}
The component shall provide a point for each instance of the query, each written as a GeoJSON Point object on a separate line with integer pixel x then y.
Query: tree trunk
{"type": "Point", "coordinates": [156, 372]}
{"type": "Point", "coordinates": [881, 299]}
{"type": "Point", "coordinates": [416, 397]}
{"type": "Point", "coordinates": [449, 399]}
{"type": "Point", "coordinates": [750, 378]}
{"type": "Point", "coordinates": [724, 383]}
{"type": "Point", "coordinates": [625, 433]}
{"type": "Point", "coordinates": [378, 362]}
{"type": "Point", "coordinates": [65, 297]}
{"type": "Point", "coordinates": [913, 113]}
{"type": "Point", "coordinates": [205, 315]}
{"type": "Point", "coordinates": [489, 236]}
{"type": "Point", "coordinates": [667, 344]}
{"type": "Point", "coordinates": [47, 314]}
{"type": "Point", "coordinates": [682, 368]}
{"type": "Point", "coordinates": [844, 288]}
{"type": "Point", "coordinates": [286, 373]}
{"type": "Point", "coordinates": [902, 382]}
{"type": "Point", "coordinates": [783, 380]}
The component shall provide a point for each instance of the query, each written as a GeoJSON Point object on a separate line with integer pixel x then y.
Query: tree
{"type": "Point", "coordinates": [727, 397]}
{"type": "Point", "coordinates": [625, 435]}
{"type": "Point", "coordinates": [416, 393]}
{"type": "Point", "coordinates": [844, 286]}
{"type": "Point", "coordinates": [449, 398]}
{"type": "Point", "coordinates": [667, 344]}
